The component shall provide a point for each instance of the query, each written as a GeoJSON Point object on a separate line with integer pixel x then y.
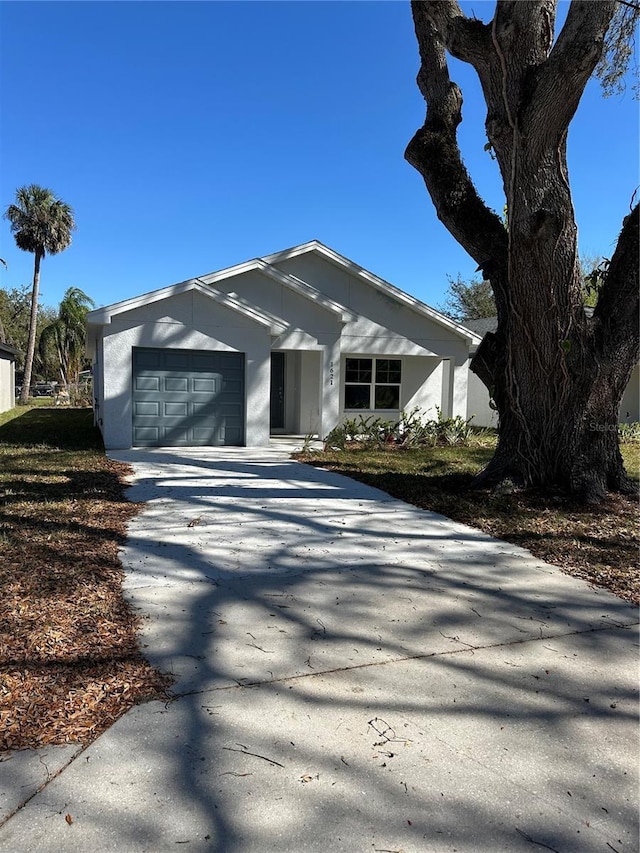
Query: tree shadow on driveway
{"type": "Point", "coordinates": [353, 673]}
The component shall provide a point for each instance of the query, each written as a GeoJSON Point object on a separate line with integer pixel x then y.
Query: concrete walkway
{"type": "Point", "coordinates": [352, 674]}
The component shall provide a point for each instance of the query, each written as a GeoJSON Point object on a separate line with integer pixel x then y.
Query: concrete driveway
{"type": "Point", "coordinates": [352, 674]}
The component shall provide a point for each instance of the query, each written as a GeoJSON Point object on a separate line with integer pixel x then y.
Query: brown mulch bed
{"type": "Point", "coordinates": [70, 663]}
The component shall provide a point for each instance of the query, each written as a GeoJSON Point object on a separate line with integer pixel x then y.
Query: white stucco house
{"type": "Point", "coordinates": [7, 377]}
{"type": "Point", "coordinates": [291, 343]}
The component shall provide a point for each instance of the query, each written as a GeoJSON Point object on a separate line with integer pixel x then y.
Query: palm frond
{"type": "Point", "coordinates": [40, 222]}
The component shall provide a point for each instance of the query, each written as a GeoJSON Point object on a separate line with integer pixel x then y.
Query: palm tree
{"type": "Point", "coordinates": [65, 337]}
{"type": "Point", "coordinates": [40, 223]}
{"type": "Point", "coordinates": [3, 336]}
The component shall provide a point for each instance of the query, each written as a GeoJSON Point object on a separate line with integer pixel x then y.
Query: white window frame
{"type": "Point", "coordinates": [373, 384]}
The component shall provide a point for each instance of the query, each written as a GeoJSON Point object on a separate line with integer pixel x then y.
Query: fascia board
{"type": "Point", "coordinates": [300, 287]}
{"type": "Point", "coordinates": [276, 320]}
{"type": "Point", "coordinates": [293, 252]}
{"type": "Point", "coordinates": [8, 349]}
{"type": "Point", "coordinates": [100, 316]}
{"type": "Point", "coordinates": [379, 283]}
{"type": "Point", "coordinates": [228, 272]}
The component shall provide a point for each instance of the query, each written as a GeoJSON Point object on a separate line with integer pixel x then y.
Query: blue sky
{"type": "Point", "coordinates": [191, 136]}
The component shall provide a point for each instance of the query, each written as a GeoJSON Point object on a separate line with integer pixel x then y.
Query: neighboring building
{"type": "Point", "coordinates": [7, 377]}
{"type": "Point", "coordinates": [630, 404]}
{"type": "Point", "coordinates": [291, 343]}
{"type": "Point", "coordinates": [478, 395]}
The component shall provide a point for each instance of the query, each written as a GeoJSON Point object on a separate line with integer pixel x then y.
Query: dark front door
{"type": "Point", "coordinates": [277, 421]}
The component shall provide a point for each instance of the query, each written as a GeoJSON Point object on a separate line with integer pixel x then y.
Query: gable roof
{"type": "Point", "coordinates": [103, 316]}
{"type": "Point", "coordinates": [315, 246]}
{"type": "Point", "coordinates": [266, 266]}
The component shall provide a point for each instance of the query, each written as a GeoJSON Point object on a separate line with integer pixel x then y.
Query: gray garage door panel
{"type": "Point", "coordinates": [187, 398]}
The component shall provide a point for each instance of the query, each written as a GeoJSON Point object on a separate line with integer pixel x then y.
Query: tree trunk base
{"type": "Point", "coordinates": [587, 476]}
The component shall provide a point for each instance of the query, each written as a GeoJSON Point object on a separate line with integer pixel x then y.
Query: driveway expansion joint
{"type": "Point", "coordinates": [403, 659]}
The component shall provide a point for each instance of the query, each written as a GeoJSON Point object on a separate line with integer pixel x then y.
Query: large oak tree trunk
{"type": "Point", "coordinates": [556, 375]}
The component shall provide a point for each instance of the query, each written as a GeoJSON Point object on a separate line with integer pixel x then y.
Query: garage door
{"type": "Point", "coordinates": [187, 398]}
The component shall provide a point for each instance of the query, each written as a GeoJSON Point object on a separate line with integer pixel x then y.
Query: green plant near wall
{"type": "Point", "coordinates": [412, 429]}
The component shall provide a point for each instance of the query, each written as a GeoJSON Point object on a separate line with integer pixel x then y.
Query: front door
{"type": "Point", "coordinates": [277, 420]}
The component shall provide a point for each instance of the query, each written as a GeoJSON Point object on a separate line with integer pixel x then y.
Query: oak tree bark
{"type": "Point", "coordinates": [556, 375]}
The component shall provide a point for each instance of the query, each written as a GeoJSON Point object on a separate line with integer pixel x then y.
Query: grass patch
{"type": "Point", "coordinates": [69, 658]}
{"type": "Point", "coordinates": [53, 427]}
{"type": "Point", "coordinates": [598, 544]}
{"type": "Point", "coordinates": [631, 457]}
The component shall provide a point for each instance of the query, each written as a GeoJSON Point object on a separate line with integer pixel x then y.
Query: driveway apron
{"type": "Point", "coordinates": [351, 674]}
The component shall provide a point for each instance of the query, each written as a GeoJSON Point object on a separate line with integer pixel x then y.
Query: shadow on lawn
{"type": "Point", "coordinates": [63, 428]}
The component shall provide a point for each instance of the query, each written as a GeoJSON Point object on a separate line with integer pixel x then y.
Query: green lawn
{"type": "Point", "coordinates": [53, 426]}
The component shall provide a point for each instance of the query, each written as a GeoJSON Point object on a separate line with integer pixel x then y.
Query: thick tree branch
{"type": "Point", "coordinates": [615, 317]}
{"type": "Point", "coordinates": [559, 83]}
{"type": "Point", "coordinates": [485, 362]}
{"type": "Point", "coordinates": [465, 38]}
{"type": "Point", "coordinates": [434, 152]}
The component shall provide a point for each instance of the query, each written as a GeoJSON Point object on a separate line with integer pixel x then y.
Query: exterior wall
{"type": "Point", "coordinates": [163, 325]}
{"type": "Point", "coordinates": [380, 316]}
{"type": "Point", "coordinates": [421, 388]}
{"type": "Point", "coordinates": [378, 341]}
{"type": "Point", "coordinates": [330, 379]}
{"type": "Point", "coordinates": [630, 405]}
{"type": "Point", "coordinates": [309, 393]}
{"type": "Point", "coordinates": [277, 299]}
{"type": "Point", "coordinates": [459, 389]}
{"type": "Point", "coordinates": [422, 385]}
{"type": "Point", "coordinates": [98, 386]}
{"type": "Point", "coordinates": [478, 403]}
{"type": "Point", "coordinates": [435, 357]}
{"type": "Point", "coordinates": [316, 340]}
{"type": "Point", "coordinates": [384, 326]}
{"type": "Point", "coordinates": [7, 383]}
{"type": "Point", "coordinates": [314, 331]}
